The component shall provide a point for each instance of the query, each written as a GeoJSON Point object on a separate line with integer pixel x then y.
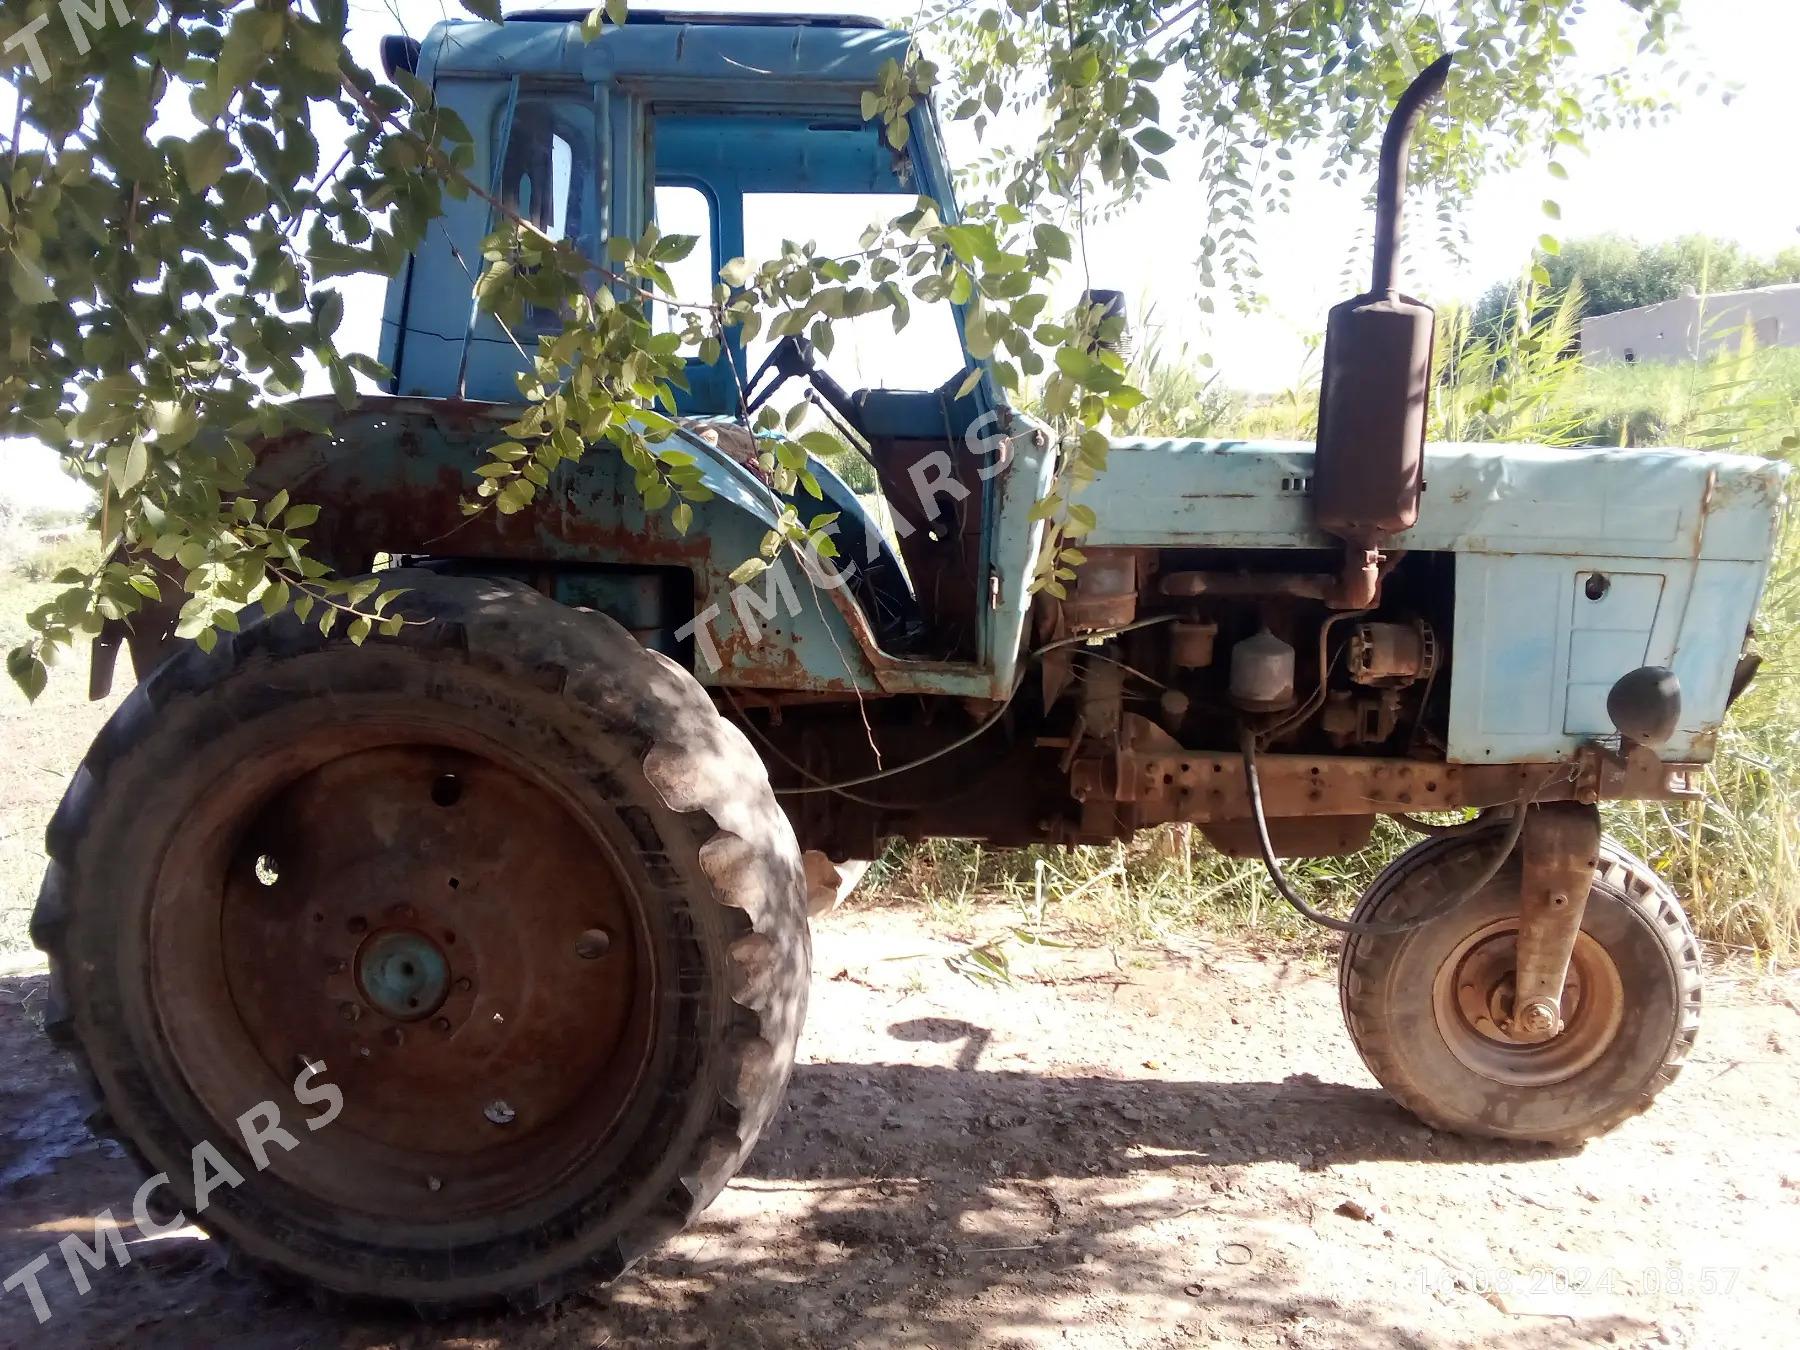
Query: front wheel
{"type": "Point", "coordinates": [460, 967]}
{"type": "Point", "coordinates": [1428, 1009]}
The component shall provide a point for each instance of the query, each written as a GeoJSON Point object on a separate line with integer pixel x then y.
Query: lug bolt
{"type": "Point", "coordinates": [1537, 1018]}
{"type": "Point", "coordinates": [464, 985]}
{"type": "Point", "coordinates": [500, 1113]}
{"type": "Point", "coordinates": [394, 1036]}
{"type": "Point", "coordinates": [349, 1011]}
{"type": "Point", "coordinates": [334, 967]}
{"type": "Point", "coordinates": [440, 1024]}
{"type": "Point", "coordinates": [433, 1184]}
{"type": "Point", "coordinates": [593, 944]}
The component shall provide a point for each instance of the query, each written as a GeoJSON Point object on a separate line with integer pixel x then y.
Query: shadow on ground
{"type": "Point", "coordinates": [892, 1204]}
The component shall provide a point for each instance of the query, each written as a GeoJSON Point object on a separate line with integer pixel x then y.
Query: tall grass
{"type": "Point", "coordinates": [1733, 856]}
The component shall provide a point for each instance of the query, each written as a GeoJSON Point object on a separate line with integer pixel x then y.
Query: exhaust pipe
{"type": "Point", "coordinates": [1375, 387]}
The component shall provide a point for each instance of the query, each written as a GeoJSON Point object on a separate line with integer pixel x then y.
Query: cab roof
{"type": "Point", "coordinates": [677, 16]}
{"type": "Point", "coordinates": [755, 52]}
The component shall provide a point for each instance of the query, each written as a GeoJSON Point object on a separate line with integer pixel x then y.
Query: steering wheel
{"type": "Point", "coordinates": [796, 355]}
{"type": "Point", "coordinates": [793, 355]}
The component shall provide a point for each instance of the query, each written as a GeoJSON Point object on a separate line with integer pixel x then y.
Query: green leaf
{"type": "Point", "coordinates": [616, 10]}
{"type": "Point", "coordinates": [328, 312]}
{"type": "Point", "coordinates": [736, 272]}
{"type": "Point", "coordinates": [245, 45]}
{"type": "Point", "coordinates": [748, 570]}
{"type": "Point", "coordinates": [1155, 140]}
{"type": "Point", "coordinates": [682, 516]}
{"type": "Point", "coordinates": [29, 282]}
{"type": "Point", "coordinates": [205, 158]}
{"type": "Point", "coordinates": [126, 463]}
{"type": "Point", "coordinates": [483, 9]}
{"type": "Point", "coordinates": [821, 443]}
{"type": "Point", "coordinates": [1053, 241]}
{"type": "Point", "coordinates": [27, 671]}
{"type": "Point", "coordinates": [673, 247]}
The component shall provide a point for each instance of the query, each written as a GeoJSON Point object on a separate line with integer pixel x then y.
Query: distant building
{"type": "Point", "coordinates": [1693, 326]}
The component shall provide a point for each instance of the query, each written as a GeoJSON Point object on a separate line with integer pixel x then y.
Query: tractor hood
{"type": "Point", "coordinates": [1483, 499]}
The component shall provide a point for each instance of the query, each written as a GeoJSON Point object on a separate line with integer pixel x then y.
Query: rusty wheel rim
{"type": "Point", "coordinates": [430, 919]}
{"type": "Point", "coordinates": [1472, 1001]}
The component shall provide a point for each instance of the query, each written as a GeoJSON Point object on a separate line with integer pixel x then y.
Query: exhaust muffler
{"type": "Point", "coordinates": [1375, 389]}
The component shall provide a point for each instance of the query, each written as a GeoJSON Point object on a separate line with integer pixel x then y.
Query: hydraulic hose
{"type": "Point", "coordinates": [1365, 928]}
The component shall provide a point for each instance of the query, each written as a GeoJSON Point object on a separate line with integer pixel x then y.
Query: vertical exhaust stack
{"type": "Point", "coordinates": [1375, 388]}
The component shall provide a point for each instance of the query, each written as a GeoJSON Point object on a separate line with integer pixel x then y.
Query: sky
{"type": "Point", "coordinates": [1720, 168]}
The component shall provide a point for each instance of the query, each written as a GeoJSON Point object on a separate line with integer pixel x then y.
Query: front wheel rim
{"type": "Point", "coordinates": [1472, 998]}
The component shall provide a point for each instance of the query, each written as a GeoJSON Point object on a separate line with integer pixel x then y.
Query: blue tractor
{"type": "Point", "coordinates": [511, 907]}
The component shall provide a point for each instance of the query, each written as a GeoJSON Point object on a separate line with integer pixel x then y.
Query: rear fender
{"type": "Point", "coordinates": [392, 474]}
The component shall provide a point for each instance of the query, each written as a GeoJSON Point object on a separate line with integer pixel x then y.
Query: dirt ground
{"type": "Point", "coordinates": [1136, 1148]}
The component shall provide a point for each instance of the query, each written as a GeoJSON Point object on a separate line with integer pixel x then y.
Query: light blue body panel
{"type": "Point", "coordinates": [1681, 539]}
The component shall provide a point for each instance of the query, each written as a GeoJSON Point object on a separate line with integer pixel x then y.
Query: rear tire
{"type": "Point", "coordinates": [565, 1001]}
{"type": "Point", "coordinates": [1426, 1008]}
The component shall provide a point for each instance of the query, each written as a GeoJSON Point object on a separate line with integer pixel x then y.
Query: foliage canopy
{"type": "Point", "coordinates": [190, 179]}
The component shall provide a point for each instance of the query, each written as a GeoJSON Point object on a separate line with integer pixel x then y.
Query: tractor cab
{"type": "Point", "coordinates": [748, 134]}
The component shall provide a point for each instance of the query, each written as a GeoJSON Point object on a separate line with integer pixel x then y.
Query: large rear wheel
{"type": "Point", "coordinates": [1430, 1009]}
{"type": "Point", "coordinates": [507, 883]}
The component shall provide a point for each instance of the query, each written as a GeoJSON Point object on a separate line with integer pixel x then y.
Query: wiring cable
{"type": "Point", "coordinates": [1368, 928]}
{"type": "Point", "coordinates": [986, 722]}
{"type": "Point", "coordinates": [768, 742]}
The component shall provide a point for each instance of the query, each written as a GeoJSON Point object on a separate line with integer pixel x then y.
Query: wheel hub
{"type": "Point", "coordinates": [403, 974]}
{"type": "Point", "coordinates": [1473, 999]}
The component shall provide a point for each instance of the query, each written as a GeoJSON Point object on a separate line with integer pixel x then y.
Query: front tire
{"type": "Point", "coordinates": [508, 876]}
{"type": "Point", "coordinates": [1427, 1008]}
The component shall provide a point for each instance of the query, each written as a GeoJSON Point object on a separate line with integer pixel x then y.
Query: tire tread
{"type": "Point", "coordinates": [581, 657]}
{"type": "Point", "coordinates": [1365, 1012]}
